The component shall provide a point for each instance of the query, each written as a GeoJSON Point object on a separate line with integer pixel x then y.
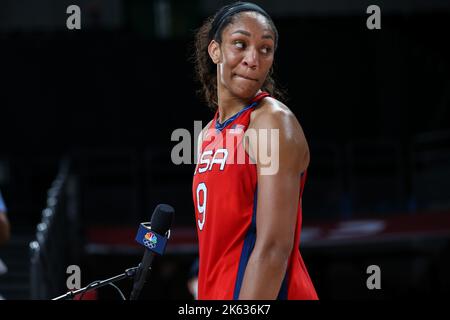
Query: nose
{"type": "Point", "coordinates": [251, 58]}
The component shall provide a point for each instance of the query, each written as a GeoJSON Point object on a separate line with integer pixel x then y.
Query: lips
{"type": "Point", "coordinates": [246, 78]}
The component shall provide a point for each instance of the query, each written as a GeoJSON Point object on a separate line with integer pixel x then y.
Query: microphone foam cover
{"type": "Point", "coordinates": [162, 218]}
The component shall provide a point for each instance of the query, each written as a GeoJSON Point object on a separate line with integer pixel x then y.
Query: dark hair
{"type": "Point", "coordinates": [212, 30]}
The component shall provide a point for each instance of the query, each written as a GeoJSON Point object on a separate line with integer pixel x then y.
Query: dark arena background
{"type": "Point", "coordinates": [87, 116]}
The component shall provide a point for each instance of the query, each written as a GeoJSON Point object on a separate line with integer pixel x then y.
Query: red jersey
{"type": "Point", "coordinates": [225, 201]}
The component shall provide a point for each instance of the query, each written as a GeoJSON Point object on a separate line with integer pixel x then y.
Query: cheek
{"type": "Point", "coordinates": [267, 63]}
{"type": "Point", "coordinates": [227, 66]}
{"type": "Point", "coordinates": [224, 73]}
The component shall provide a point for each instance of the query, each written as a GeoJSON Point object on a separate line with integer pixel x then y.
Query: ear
{"type": "Point", "coordinates": [214, 51]}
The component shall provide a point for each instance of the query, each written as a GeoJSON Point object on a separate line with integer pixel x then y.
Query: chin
{"type": "Point", "coordinates": [245, 93]}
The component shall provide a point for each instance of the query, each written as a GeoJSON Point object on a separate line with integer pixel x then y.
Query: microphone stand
{"type": "Point", "coordinates": [129, 273]}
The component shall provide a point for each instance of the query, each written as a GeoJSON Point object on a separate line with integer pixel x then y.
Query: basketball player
{"type": "Point", "coordinates": [248, 221]}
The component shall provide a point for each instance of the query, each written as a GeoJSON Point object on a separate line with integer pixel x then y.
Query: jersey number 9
{"type": "Point", "coordinates": [201, 207]}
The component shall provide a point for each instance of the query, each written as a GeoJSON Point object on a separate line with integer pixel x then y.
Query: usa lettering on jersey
{"type": "Point", "coordinates": [209, 158]}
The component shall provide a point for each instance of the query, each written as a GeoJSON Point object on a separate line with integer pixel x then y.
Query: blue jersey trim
{"type": "Point", "coordinates": [283, 294]}
{"type": "Point", "coordinates": [221, 126]}
{"type": "Point", "coordinates": [249, 244]}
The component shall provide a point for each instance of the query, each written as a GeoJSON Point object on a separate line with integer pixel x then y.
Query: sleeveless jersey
{"type": "Point", "coordinates": [225, 200]}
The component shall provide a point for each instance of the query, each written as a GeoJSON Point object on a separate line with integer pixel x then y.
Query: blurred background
{"type": "Point", "coordinates": [86, 118]}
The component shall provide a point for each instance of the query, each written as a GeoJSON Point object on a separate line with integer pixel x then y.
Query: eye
{"type": "Point", "coordinates": [266, 50]}
{"type": "Point", "coordinates": [239, 44]}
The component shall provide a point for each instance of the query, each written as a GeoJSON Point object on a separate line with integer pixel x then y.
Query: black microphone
{"type": "Point", "coordinates": [153, 236]}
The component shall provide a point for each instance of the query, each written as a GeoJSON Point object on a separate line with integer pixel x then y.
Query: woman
{"type": "Point", "coordinates": [248, 213]}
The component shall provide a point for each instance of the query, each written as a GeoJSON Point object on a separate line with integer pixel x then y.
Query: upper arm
{"type": "Point", "coordinates": [279, 178]}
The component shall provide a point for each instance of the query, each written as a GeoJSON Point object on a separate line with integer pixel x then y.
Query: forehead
{"type": "Point", "coordinates": [251, 21]}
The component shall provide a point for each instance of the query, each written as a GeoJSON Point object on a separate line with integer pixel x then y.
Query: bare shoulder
{"type": "Point", "coordinates": [272, 113]}
{"type": "Point", "coordinates": [271, 104]}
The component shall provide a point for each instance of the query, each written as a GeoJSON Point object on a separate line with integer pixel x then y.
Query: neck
{"type": "Point", "coordinates": [229, 104]}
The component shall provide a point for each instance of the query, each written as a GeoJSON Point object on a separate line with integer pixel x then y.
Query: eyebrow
{"type": "Point", "coordinates": [246, 33]}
